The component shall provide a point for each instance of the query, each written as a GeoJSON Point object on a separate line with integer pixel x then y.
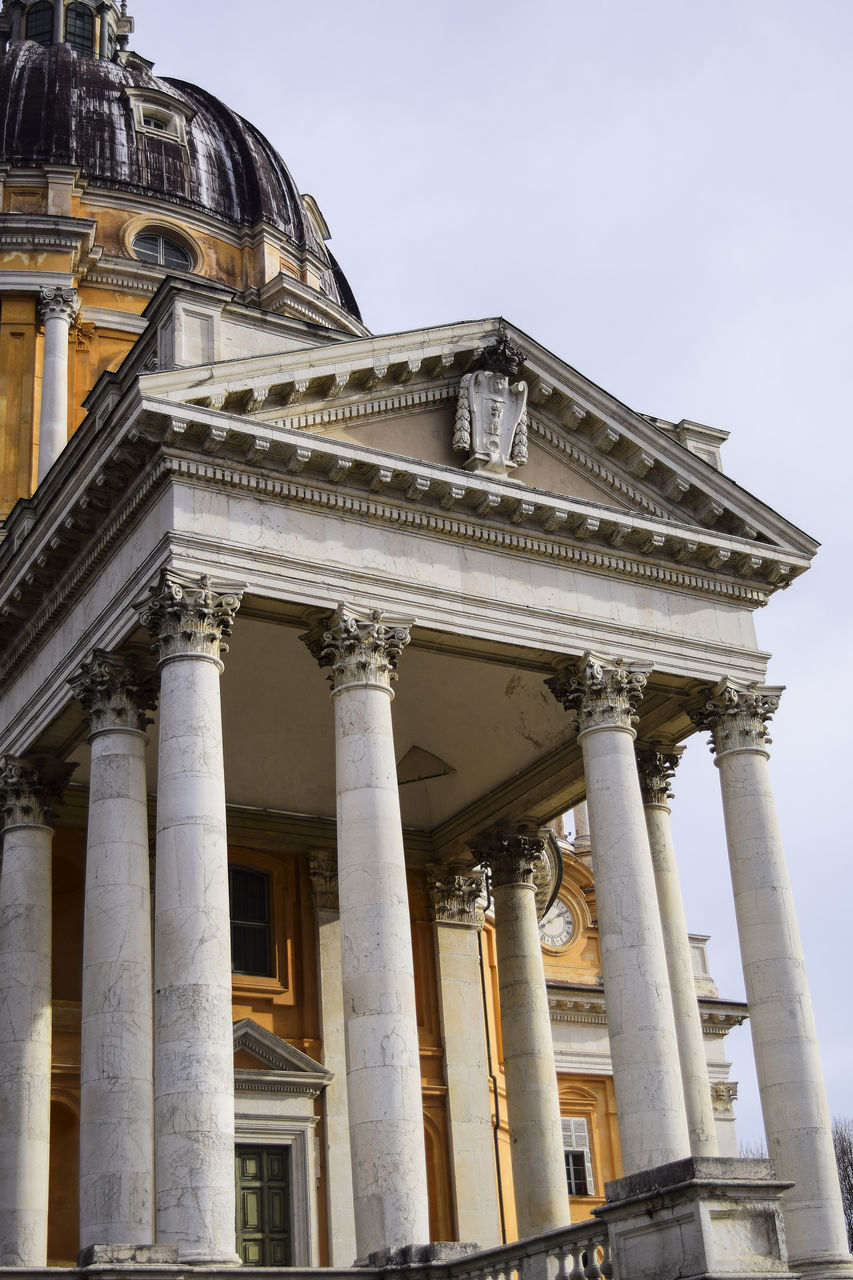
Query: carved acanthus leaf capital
{"type": "Point", "coordinates": [323, 870]}
{"type": "Point", "coordinates": [56, 303]}
{"type": "Point", "coordinates": [455, 897]}
{"type": "Point", "coordinates": [723, 1095]}
{"type": "Point", "coordinates": [358, 651]}
{"type": "Point", "coordinates": [30, 790]}
{"type": "Point", "coordinates": [513, 857]}
{"type": "Point", "coordinates": [656, 766]}
{"type": "Point", "coordinates": [116, 691]}
{"type": "Point", "coordinates": [600, 692]}
{"type": "Point", "coordinates": [190, 616]}
{"type": "Point", "coordinates": [737, 718]}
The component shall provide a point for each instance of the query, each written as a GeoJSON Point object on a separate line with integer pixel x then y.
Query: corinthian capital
{"type": "Point", "coordinates": [189, 617]}
{"type": "Point", "coordinates": [514, 857]}
{"type": "Point", "coordinates": [29, 792]}
{"type": "Point", "coordinates": [323, 870]}
{"type": "Point", "coordinates": [358, 651]}
{"type": "Point", "coordinates": [56, 303]}
{"type": "Point", "coordinates": [656, 767]}
{"type": "Point", "coordinates": [737, 718]}
{"type": "Point", "coordinates": [600, 692]}
{"type": "Point", "coordinates": [455, 896]}
{"type": "Point", "coordinates": [116, 692]}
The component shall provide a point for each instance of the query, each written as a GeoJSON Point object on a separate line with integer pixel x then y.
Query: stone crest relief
{"type": "Point", "coordinates": [491, 414]}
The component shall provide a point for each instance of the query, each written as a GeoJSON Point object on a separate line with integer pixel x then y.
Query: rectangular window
{"type": "Point", "coordinates": [578, 1156]}
{"type": "Point", "coordinates": [251, 942]}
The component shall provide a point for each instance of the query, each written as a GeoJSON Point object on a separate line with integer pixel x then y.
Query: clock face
{"type": "Point", "coordinates": [557, 926]}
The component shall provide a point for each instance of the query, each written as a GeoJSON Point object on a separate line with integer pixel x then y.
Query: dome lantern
{"type": "Point", "coordinates": [92, 28]}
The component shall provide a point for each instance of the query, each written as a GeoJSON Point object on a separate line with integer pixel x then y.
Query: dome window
{"type": "Point", "coordinates": [40, 23]}
{"type": "Point", "coordinates": [159, 115]}
{"type": "Point", "coordinates": [161, 250]}
{"type": "Point", "coordinates": [80, 29]}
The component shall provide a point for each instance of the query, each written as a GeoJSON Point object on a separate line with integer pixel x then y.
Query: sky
{"type": "Point", "coordinates": [660, 192]}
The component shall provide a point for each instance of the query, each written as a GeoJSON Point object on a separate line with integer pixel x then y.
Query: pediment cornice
{"type": "Point", "coordinates": [639, 461]}
{"type": "Point", "coordinates": [282, 1068]}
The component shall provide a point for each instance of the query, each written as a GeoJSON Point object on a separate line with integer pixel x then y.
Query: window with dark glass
{"type": "Point", "coordinates": [578, 1156]}
{"type": "Point", "coordinates": [151, 246]}
{"type": "Point", "coordinates": [251, 949]}
{"type": "Point", "coordinates": [40, 23]}
{"type": "Point", "coordinates": [80, 29]}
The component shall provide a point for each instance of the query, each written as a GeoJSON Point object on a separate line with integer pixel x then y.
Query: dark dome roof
{"type": "Point", "coordinates": [59, 108]}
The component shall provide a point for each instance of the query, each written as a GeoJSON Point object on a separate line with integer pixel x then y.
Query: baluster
{"type": "Point", "coordinates": [607, 1268]}
{"type": "Point", "coordinates": [577, 1271]}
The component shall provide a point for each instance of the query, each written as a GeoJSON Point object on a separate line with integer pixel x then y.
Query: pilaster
{"type": "Point", "coordinates": [340, 1210]}
{"type": "Point", "coordinates": [455, 901]}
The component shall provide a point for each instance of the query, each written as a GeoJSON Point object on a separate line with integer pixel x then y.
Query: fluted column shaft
{"type": "Point", "coordinates": [116, 1089]}
{"type": "Point", "coordinates": [602, 694]}
{"type": "Point", "coordinates": [383, 1060]}
{"type": "Point", "coordinates": [25, 1012]}
{"type": "Point", "coordinates": [458, 920]}
{"type": "Point", "coordinates": [533, 1104]}
{"type": "Point", "coordinates": [194, 1050]}
{"type": "Point", "coordinates": [657, 767]}
{"type": "Point", "coordinates": [58, 308]}
{"type": "Point", "coordinates": [781, 1019]}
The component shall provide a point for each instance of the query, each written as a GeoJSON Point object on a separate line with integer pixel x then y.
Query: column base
{"type": "Point", "coordinates": [704, 1218]}
{"type": "Point", "coordinates": [200, 1258]}
{"type": "Point", "coordinates": [420, 1254]}
{"type": "Point", "coordinates": [828, 1269]}
{"type": "Point", "coordinates": [128, 1255]}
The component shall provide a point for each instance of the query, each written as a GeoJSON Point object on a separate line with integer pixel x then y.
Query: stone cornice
{"type": "Point", "coordinates": [578, 1003]}
{"type": "Point", "coordinates": [565, 407]}
{"type": "Point", "coordinates": [48, 233]}
{"type": "Point", "coordinates": [100, 496]}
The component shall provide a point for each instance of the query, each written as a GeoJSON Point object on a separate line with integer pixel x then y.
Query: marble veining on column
{"type": "Point", "coordinates": [190, 621]}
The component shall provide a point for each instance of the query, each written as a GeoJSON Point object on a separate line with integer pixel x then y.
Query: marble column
{"type": "Point", "coordinates": [190, 620]}
{"type": "Point", "coordinates": [58, 309]}
{"type": "Point", "coordinates": [116, 1088]}
{"type": "Point", "coordinates": [383, 1061]}
{"type": "Point", "coordinates": [602, 694]}
{"type": "Point", "coordinates": [58, 21]}
{"type": "Point", "coordinates": [27, 793]}
{"type": "Point", "coordinates": [784, 1038]}
{"type": "Point", "coordinates": [458, 920]}
{"type": "Point", "coordinates": [657, 767]}
{"type": "Point", "coordinates": [533, 1104]}
{"type": "Point", "coordinates": [340, 1209]}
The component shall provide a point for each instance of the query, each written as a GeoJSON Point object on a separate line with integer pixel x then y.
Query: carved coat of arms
{"type": "Point", "coordinates": [491, 414]}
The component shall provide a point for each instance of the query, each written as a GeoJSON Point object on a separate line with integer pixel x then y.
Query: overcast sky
{"type": "Point", "coordinates": [660, 192]}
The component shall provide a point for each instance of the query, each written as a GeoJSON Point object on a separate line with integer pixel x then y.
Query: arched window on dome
{"type": "Point", "coordinates": [162, 250]}
{"type": "Point", "coordinates": [80, 29]}
{"type": "Point", "coordinates": [40, 23]}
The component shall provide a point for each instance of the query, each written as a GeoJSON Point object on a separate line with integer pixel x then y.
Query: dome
{"type": "Point", "coordinates": [128, 130]}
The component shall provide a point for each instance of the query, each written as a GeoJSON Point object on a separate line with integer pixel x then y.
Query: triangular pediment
{"type": "Point", "coordinates": [398, 394]}
{"type": "Point", "coordinates": [260, 1052]}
